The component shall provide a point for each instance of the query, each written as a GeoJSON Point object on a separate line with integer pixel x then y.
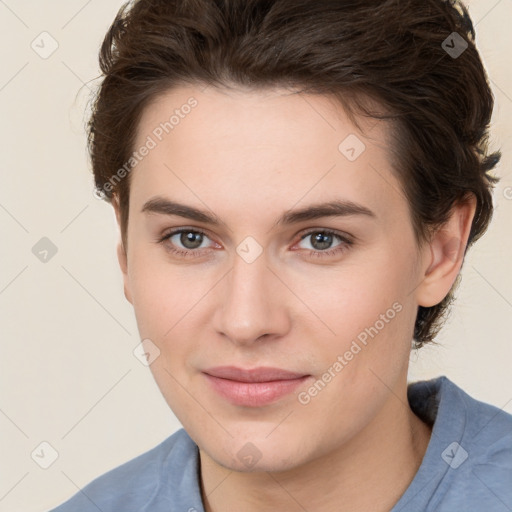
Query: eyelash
{"type": "Point", "coordinates": [345, 244]}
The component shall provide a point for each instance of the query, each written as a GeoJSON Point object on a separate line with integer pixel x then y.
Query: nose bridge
{"type": "Point", "coordinates": [250, 306]}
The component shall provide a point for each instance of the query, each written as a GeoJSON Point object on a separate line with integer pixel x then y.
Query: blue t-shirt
{"type": "Point", "coordinates": [467, 466]}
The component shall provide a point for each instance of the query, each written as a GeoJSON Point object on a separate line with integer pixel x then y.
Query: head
{"type": "Point", "coordinates": [255, 113]}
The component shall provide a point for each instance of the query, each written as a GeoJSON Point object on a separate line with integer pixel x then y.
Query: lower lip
{"type": "Point", "coordinates": [254, 394]}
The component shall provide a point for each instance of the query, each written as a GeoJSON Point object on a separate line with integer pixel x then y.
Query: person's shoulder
{"type": "Point", "coordinates": [486, 425]}
{"type": "Point", "coordinates": [480, 460]}
{"type": "Point", "coordinates": [132, 485]}
{"type": "Point", "coordinates": [488, 434]}
{"type": "Point", "coordinates": [478, 419]}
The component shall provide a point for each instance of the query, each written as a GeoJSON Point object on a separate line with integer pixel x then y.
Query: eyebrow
{"type": "Point", "coordinates": [337, 208]}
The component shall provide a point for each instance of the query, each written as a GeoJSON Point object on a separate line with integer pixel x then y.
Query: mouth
{"type": "Point", "coordinates": [253, 387]}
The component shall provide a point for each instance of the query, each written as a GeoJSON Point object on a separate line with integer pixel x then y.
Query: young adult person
{"type": "Point", "coordinates": [297, 183]}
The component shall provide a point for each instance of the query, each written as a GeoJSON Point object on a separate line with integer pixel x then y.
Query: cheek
{"type": "Point", "coordinates": [163, 294]}
{"type": "Point", "coordinates": [370, 313]}
{"type": "Point", "coordinates": [352, 298]}
{"type": "Point", "coordinates": [163, 301]}
{"type": "Point", "coordinates": [372, 318]}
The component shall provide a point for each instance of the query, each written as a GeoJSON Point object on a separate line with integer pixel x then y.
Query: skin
{"type": "Point", "coordinates": [249, 156]}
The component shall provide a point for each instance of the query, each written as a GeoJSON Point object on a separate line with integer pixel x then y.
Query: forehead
{"type": "Point", "coordinates": [240, 147]}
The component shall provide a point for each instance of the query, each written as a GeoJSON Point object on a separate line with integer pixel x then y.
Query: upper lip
{"type": "Point", "coordinates": [260, 374]}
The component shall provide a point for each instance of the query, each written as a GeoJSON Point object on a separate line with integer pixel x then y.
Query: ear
{"type": "Point", "coordinates": [444, 254]}
{"type": "Point", "coordinates": [122, 256]}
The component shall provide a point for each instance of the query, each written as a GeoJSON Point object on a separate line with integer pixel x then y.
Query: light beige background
{"type": "Point", "coordinates": [68, 374]}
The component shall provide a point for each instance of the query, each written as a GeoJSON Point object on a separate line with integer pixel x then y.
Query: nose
{"type": "Point", "coordinates": [252, 303]}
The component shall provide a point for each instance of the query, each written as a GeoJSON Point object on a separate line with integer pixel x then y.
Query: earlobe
{"type": "Point", "coordinates": [444, 255]}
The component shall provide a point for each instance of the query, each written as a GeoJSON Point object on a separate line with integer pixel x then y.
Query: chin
{"type": "Point", "coordinates": [250, 454]}
{"type": "Point", "coordinates": [274, 463]}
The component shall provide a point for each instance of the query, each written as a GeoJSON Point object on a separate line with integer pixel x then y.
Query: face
{"type": "Point", "coordinates": [263, 280]}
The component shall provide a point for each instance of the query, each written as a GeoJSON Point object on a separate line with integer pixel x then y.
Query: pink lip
{"type": "Point", "coordinates": [255, 387]}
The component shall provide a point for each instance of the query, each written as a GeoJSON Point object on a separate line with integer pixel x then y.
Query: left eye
{"type": "Point", "coordinates": [321, 240]}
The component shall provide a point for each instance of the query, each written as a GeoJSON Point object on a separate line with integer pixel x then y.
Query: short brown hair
{"type": "Point", "coordinates": [438, 104]}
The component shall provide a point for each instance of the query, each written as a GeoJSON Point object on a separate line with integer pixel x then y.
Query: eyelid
{"type": "Point", "coordinates": [171, 232]}
{"type": "Point", "coordinates": [341, 234]}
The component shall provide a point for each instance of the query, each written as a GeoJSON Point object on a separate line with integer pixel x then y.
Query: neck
{"type": "Point", "coordinates": [370, 472]}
